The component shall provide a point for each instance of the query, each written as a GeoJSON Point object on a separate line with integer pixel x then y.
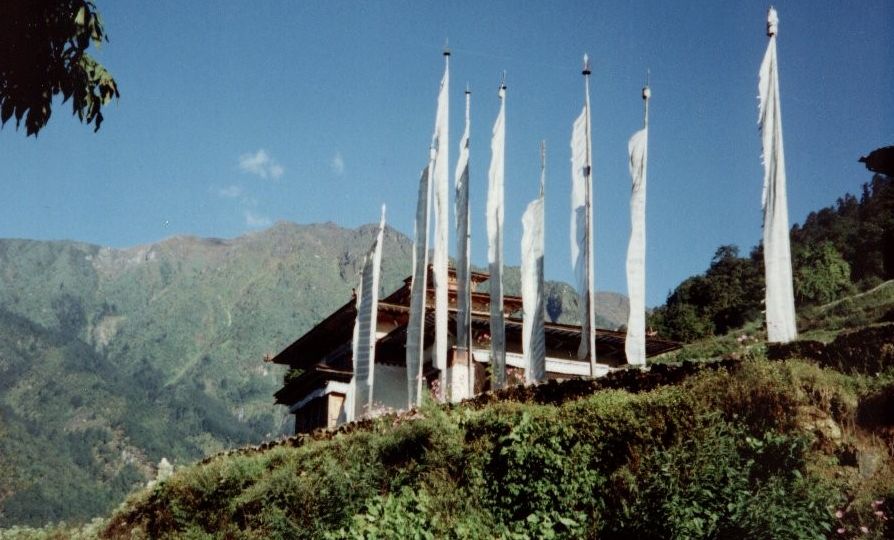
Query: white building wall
{"type": "Point", "coordinates": [561, 366]}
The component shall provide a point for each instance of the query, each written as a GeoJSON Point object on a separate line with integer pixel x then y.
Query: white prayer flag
{"type": "Point", "coordinates": [635, 343]}
{"type": "Point", "coordinates": [780, 299]}
{"type": "Point", "coordinates": [582, 227]}
{"type": "Point", "coordinates": [495, 245]}
{"type": "Point", "coordinates": [463, 258]}
{"type": "Point", "coordinates": [440, 142]}
{"type": "Point", "coordinates": [533, 341]}
{"type": "Point", "coordinates": [418, 285]}
{"type": "Point", "coordinates": [579, 204]}
{"type": "Point", "coordinates": [363, 345]}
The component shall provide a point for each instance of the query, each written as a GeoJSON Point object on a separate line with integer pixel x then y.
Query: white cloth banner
{"type": "Point", "coordinates": [440, 142]}
{"type": "Point", "coordinates": [495, 245]}
{"type": "Point", "coordinates": [579, 202]}
{"type": "Point", "coordinates": [533, 343]}
{"type": "Point", "coordinates": [582, 230]}
{"type": "Point", "coordinates": [363, 345]}
{"type": "Point", "coordinates": [418, 286]}
{"type": "Point", "coordinates": [463, 258]}
{"type": "Point", "coordinates": [635, 343]}
{"type": "Point", "coordinates": [780, 300]}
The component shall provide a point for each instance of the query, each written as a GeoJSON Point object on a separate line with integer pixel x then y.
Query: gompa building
{"type": "Point", "coordinates": [318, 385]}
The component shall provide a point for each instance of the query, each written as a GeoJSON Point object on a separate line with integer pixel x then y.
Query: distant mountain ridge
{"type": "Point", "coordinates": [112, 358]}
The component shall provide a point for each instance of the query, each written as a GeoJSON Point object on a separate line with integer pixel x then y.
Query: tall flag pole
{"type": "Point", "coordinates": [463, 256]}
{"type": "Point", "coordinates": [638, 150]}
{"type": "Point", "coordinates": [418, 287]}
{"type": "Point", "coordinates": [495, 244]}
{"type": "Point", "coordinates": [533, 341]}
{"type": "Point", "coordinates": [780, 299]}
{"type": "Point", "coordinates": [582, 224]}
{"type": "Point", "coordinates": [363, 345]}
{"type": "Point", "coordinates": [440, 142]}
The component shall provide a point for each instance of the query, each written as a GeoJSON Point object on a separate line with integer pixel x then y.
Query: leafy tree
{"type": "Point", "coordinates": [44, 44]}
{"type": "Point", "coordinates": [862, 231]}
{"type": "Point", "coordinates": [848, 244]}
{"type": "Point", "coordinates": [727, 296]}
{"type": "Point", "coordinates": [735, 288]}
{"type": "Point", "coordinates": [680, 321]}
{"type": "Point", "coordinates": [821, 275]}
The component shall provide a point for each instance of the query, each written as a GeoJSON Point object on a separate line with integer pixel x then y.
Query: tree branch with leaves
{"type": "Point", "coordinates": [43, 53]}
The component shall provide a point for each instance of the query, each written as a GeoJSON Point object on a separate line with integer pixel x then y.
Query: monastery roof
{"type": "Point", "coordinates": [323, 341]}
{"type": "Point", "coordinates": [338, 326]}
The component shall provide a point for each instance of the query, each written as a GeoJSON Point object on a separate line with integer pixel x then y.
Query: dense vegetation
{"type": "Point", "coordinates": [837, 250]}
{"type": "Point", "coordinates": [765, 450]}
{"type": "Point", "coordinates": [747, 448]}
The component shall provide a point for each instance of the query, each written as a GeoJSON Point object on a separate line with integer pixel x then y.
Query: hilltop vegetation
{"type": "Point", "coordinates": [800, 446]}
{"type": "Point", "coordinates": [838, 250]}
{"type": "Point", "coordinates": [752, 449]}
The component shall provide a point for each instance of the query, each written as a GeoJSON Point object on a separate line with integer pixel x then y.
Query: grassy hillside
{"type": "Point", "coordinates": [760, 450]}
{"type": "Point", "coordinates": [820, 323]}
{"type": "Point", "coordinates": [112, 359]}
{"type": "Point", "coordinates": [794, 442]}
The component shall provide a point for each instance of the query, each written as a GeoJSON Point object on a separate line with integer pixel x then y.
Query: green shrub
{"type": "Point", "coordinates": [397, 517]}
{"type": "Point", "coordinates": [539, 473]}
{"type": "Point", "coordinates": [722, 483]}
{"type": "Point", "coordinates": [720, 455]}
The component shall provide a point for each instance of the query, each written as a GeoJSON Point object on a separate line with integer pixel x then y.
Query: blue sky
{"type": "Point", "coordinates": [234, 115]}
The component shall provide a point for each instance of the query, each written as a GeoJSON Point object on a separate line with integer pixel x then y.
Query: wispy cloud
{"type": "Point", "coordinates": [230, 192]}
{"type": "Point", "coordinates": [261, 164]}
{"type": "Point", "coordinates": [338, 164]}
{"type": "Point", "coordinates": [256, 220]}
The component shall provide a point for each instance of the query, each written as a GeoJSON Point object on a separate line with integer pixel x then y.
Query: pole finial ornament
{"type": "Point", "coordinates": [647, 92]}
{"type": "Point", "coordinates": [772, 22]}
{"type": "Point", "coordinates": [502, 82]}
{"type": "Point", "coordinates": [586, 70]}
{"type": "Point", "coordinates": [446, 48]}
